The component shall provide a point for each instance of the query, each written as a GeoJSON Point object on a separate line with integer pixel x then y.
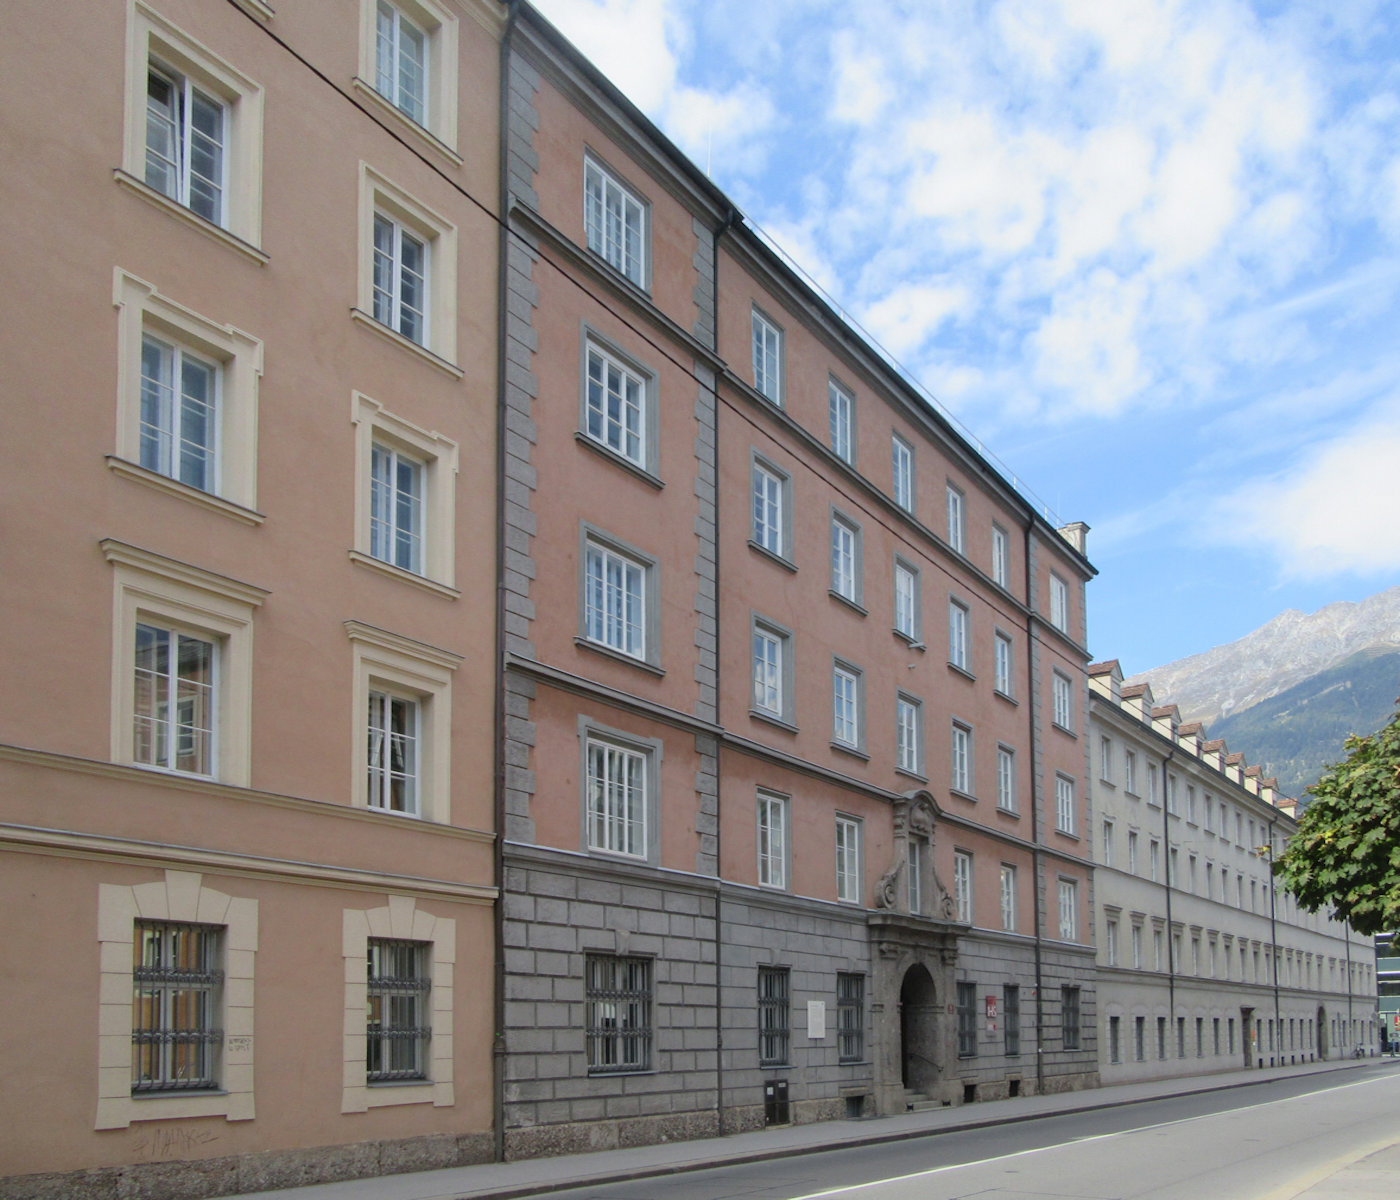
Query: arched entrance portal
{"type": "Point", "coordinates": [918, 1030]}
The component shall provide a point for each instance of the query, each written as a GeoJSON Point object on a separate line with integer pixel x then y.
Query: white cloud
{"type": "Point", "coordinates": [905, 318]}
{"type": "Point", "coordinates": [1333, 513]}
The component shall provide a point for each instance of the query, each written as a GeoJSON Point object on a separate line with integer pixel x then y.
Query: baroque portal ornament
{"type": "Point", "coordinates": [915, 814]}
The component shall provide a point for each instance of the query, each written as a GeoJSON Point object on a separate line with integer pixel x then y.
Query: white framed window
{"type": "Point", "coordinates": [841, 405]}
{"type": "Point", "coordinates": [1135, 938]}
{"type": "Point", "coordinates": [618, 405]}
{"type": "Point", "coordinates": [847, 703]}
{"type": "Point", "coordinates": [962, 885]}
{"type": "Point", "coordinates": [1008, 897]}
{"type": "Point", "coordinates": [907, 609]}
{"type": "Point", "coordinates": [915, 852]}
{"type": "Point", "coordinates": [772, 670]}
{"type": "Point", "coordinates": [170, 1042]}
{"type": "Point", "coordinates": [394, 753]}
{"type": "Point", "coordinates": [1111, 941]}
{"type": "Point", "coordinates": [772, 840]}
{"type": "Point", "coordinates": [615, 222]}
{"type": "Point", "coordinates": [1154, 786]}
{"type": "Point", "coordinates": [192, 139]}
{"type": "Point", "coordinates": [1107, 856]}
{"type": "Point", "coordinates": [400, 963]}
{"type": "Point", "coordinates": [902, 456]}
{"type": "Point", "coordinates": [957, 635]}
{"type": "Point", "coordinates": [187, 401]}
{"type": "Point", "coordinates": [1106, 759]}
{"type": "Point", "coordinates": [1130, 772]}
{"type": "Point", "coordinates": [1059, 603]}
{"type": "Point", "coordinates": [1154, 860]}
{"type": "Point", "coordinates": [408, 272]}
{"type": "Point", "coordinates": [1064, 804]}
{"type": "Point", "coordinates": [408, 68]}
{"type": "Point", "coordinates": [909, 735]}
{"type": "Point", "coordinates": [960, 758]}
{"type": "Point", "coordinates": [1062, 695]}
{"type": "Point", "coordinates": [767, 358]}
{"type": "Point", "coordinates": [771, 491]}
{"type": "Point", "coordinates": [848, 859]}
{"type": "Point", "coordinates": [957, 520]}
{"type": "Point", "coordinates": [1006, 779]}
{"type": "Point", "coordinates": [402, 696]}
{"type": "Point", "coordinates": [405, 497]}
{"type": "Point", "coordinates": [1005, 665]}
{"type": "Point", "coordinates": [617, 607]}
{"type": "Point", "coordinates": [1132, 852]}
{"type": "Point", "coordinates": [182, 666]}
{"type": "Point", "coordinates": [1001, 557]}
{"type": "Point", "coordinates": [1069, 910]}
{"type": "Point", "coordinates": [845, 558]}
{"type": "Point", "coordinates": [616, 786]}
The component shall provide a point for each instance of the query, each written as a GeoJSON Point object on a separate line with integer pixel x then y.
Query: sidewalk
{"type": "Point", "coordinates": [499, 1181]}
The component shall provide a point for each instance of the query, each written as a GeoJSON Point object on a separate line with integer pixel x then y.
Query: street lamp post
{"type": "Point", "coordinates": [1267, 853]}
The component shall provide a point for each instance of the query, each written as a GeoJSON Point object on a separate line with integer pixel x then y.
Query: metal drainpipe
{"type": "Point", "coordinates": [1032, 709]}
{"type": "Point", "coordinates": [1167, 883]}
{"type": "Point", "coordinates": [498, 1049]}
{"type": "Point", "coordinates": [1273, 937]}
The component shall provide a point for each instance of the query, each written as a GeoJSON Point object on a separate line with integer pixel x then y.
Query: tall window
{"type": "Point", "coordinates": [617, 800]}
{"type": "Point", "coordinates": [767, 358]}
{"type": "Point", "coordinates": [614, 223]}
{"type": "Point", "coordinates": [908, 742]}
{"type": "Point", "coordinates": [1062, 694]}
{"type": "Point", "coordinates": [962, 885]}
{"type": "Point", "coordinates": [906, 611]}
{"type": "Point", "coordinates": [841, 405]}
{"type": "Point", "coordinates": [957, 635]}
{"type": "Point", "coordinates": [615, 601]}
{"type": "Point", "coordinates": [845, 705]}
{"type": "Point", "coordinates": [1069, 1018]}
{"type": "Point", "coordinates": [967, 1019]}
{"type": "Point", "coordinates": [1005, 670]}
{"type": "Point", "coordinates": [186, 143]}
{"type": "Point", "coordinates": [902, 454]}
{"type": "Point", "coordinates": [772, 840]}
{"type": "Point", "coordinates": [393, 753]}
{"type": "Point", "coordinates": [1006, 779]}
{"type": "Point", "coordinates": [960, 759]}
{"type": "Point", "coordinates": [615, 406]}
{"type": "Point", "coordinates": [175, 692]}
{"type": "Point", "coordinates": [957, 521]}
{"type": "Point", "coordinates": [1107, 855]}
{"type": "Point", "coordinates": [769, 671]}
{"type": "Point", "coordinates": [848, 860]}
{"type": "Point", "coordinates": [396, 508]}
{"type": "Point", "coordinates": [1132, 852]}
{"type": "Point", "coordinates": [617, 995]}
{"type": "Point", "coordinates": [1008, 897]}
{"type": "Point", "coordinates": [1064, 804]}
{"type": "Point", "coordinates": [850, 1016]}
{"type": "Point", "coordinates": [1106, 760]}
{"type": "Point", "coordinates": [179, 414]}
{"type": "Point", "coordinates": [844, 559]}
{"type": "Point", "coordinates": [1130, 772]}
{"type": "Point", "coordinates": [1011, 1017]}
{"type": "Point", "coordinates": [1136, 938]}
{"type": "Point", "coordinates": [1059, 603]}
{"type": "Point", "coordinates": [397, 1023]}
{"type": "Point", "coordinates": [177, 983]}
{"type": "Point", "coordinates": [1069, 910]}
{"type": "Point", "coordinates": [401, 62]}
{"type": "Point", "coordinates": [1111, 941]}
{"type": "Point", "coordinates": [774, 1027]}
{"type": "Point", "coordinates": [916, 849]}
{"type": "Point", "coordinates": [1001, 557]}
{"type": "Point", "coordinates": [400, 279]}
{"type": "Point", "coordinates": [768, 509]}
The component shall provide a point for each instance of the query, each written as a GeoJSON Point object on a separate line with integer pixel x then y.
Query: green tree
{"type": "Point", "coordinates": [1346, 852]}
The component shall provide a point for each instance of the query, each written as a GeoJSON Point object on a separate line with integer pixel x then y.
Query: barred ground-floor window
{"type": "Point", "coordinates": [177, 983]}
{"type": "Point", "coordinates": [397, 1024]}
{"type": "Point", "coordinates": [618, 995]}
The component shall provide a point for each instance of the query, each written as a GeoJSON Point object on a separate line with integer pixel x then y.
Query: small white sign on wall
{"type": "Point", "coordinates": [816, 1019]}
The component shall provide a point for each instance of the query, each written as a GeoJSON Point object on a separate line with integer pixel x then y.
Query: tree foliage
{"type": "Point", "coordinates": [1346, 853]}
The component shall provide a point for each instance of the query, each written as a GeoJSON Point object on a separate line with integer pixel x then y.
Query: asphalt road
{"type": "Point", "coordinates": [1266, 1142]}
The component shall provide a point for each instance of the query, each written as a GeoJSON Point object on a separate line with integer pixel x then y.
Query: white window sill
{"type": "Point", "coordinates": [360, 317]}
{"type": "Point", "coordinates": [431, 585]}
{"type": "Point", "coordinates": [390, 111]}
{"type": "Point", "coordinates": [191, 218]}
{"type": "Point", "coordinates": [154, 479]}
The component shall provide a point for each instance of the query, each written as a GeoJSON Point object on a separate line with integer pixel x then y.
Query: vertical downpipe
{"type": "Point", "coordinates": [1033, 708]}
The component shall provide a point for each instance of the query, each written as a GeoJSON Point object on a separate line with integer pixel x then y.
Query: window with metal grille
{"type": "Point", "coordinates": [1069, 1017]}
{"type": "Point", "coordinates": [1011, 1017]}
{"type": "Point", "coordinates": [850, 1017]}
{"type": "Point", "coordinates": [618, 994]}
{"type": "Point", "coordinates": [176, 999]}
{"type": "Point", "coordinates": [967, 1020]}
{"type": "Point", "coordinates": [397, 1026]}
{"type": "Point", "coordinates": [774, 1023]}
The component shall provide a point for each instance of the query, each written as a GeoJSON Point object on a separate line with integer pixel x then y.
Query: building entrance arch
{"type": "Point", "coordinates": [918, 1031]}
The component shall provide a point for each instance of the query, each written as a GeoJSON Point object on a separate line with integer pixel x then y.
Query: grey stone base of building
{"type": "Point", "coordinates": [578, 1137]}
{"type": "Point", "coordinates": [195, 1179]}
{"type": "Point", "coordinates": [749, 1118]}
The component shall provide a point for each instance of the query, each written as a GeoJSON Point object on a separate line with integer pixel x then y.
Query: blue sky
{"type": "Point", "coordinates": [1148, 254]}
